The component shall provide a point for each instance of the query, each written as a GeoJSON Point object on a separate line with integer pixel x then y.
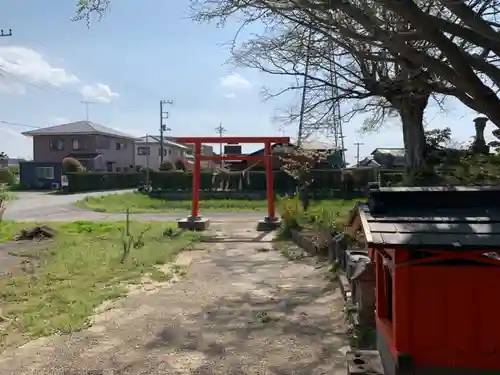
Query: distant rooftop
{"type": "Point", "coordinates": [156, 139]}
{"type": "Point", "coordinates": [78, 127]}
{"type": "Point", "coordinates": [388, 150]}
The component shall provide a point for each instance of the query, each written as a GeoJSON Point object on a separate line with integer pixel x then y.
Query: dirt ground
{"type": "Point", "coordinates": [19, 257]}
{"type": "Point", "coordinates": [240, 309]}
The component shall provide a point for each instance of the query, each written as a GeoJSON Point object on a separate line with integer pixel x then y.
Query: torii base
{"type": "Point", "coordinates": [268, 224]}
{"type": "Point", "coordinates": [197, 224]}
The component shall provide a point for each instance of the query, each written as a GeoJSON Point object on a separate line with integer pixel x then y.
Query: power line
{"type": "Point", "coordinates": [45, 86]}
{"type": "Point", "coordinates": [134, 87]}
{"type": "Point", "coordinates": [19, 124]}
{"type": "Point", "coordinates": [163, 127]}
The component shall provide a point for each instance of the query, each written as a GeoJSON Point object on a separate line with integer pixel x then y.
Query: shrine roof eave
{"type": "Point", "coordinates": [453, 230]}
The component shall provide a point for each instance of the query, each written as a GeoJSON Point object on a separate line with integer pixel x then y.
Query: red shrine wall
{"type": "Point", "coordinates": [441, 315]}
{"type": "Point", "coordinates": [454, 316]}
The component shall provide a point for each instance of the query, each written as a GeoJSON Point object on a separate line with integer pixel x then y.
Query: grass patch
{"type": "Point", "coordinates": [80, 270]}
{"type": "Point", "coordinates": [6, 194]}
{"type": "Point", "coordinates": [9, 228]}
{"type": "Point", "coordinates": [140, 203]}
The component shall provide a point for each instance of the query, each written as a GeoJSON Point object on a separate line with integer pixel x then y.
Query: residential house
{"type": "Point", "coordinates": [148, 152]}
{"type": "Point", "coordinates": [205, 150]}
{"type": "Point", "coordinates": [385, 158]}
{"type": "Point", "coordinates": [97, 147]}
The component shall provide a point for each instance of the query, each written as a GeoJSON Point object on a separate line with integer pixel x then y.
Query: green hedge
{"type": "Point", "coordinates": [91, 181]}
{"type": "Point", "coordinates": [182, 181]}
{"type": "Point", "coordinates": [256, 180]}
{"type": "Point", "coordinates": [391, 178]}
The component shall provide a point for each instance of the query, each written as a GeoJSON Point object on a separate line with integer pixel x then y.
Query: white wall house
{"type": "Point", "coordinates": [148, 151]}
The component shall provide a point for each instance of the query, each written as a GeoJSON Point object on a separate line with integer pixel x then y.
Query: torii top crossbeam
{"type": "Point", "coordinates": [232, 139]}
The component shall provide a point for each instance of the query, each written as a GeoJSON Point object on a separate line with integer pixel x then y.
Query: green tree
{"type": "Point", "coordinates": [71, 165]}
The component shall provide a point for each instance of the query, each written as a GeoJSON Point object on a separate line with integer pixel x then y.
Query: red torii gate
{"type": "Point", "coordinates": [195, 222]}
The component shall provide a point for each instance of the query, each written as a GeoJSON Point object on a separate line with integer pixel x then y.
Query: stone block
{"type": "Point", "coordinates": [195, 224]}
{"type": "Point", "coordinates": [268, 224]}
{"type": "Point", "coordinates": [364, 362]}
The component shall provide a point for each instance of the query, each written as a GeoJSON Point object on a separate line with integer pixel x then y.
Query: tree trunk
{"type": "Point", "coordinates": [411, 111]}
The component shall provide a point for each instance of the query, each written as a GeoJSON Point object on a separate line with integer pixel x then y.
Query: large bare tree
{"type": "Point", "coordinates": [339, 71]}
{"type": "Point", "coordinates": [403, 51]}
{"type": "Point", "coordinates": [456, 41]}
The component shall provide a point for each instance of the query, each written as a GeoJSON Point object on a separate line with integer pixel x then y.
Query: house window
{"type": "Point", "coordinates": [46, 173]}
{"type": "Point", "coordinates": [121, 146]}
{"type": "Point", "coordinates": [56, 144]}
{"type": "Point", "coordinates": [143, 150]}
{"type": "Point", "coordinates": [118, 169]}
{"type": "Point", "coordinates": [77, 144]}
{"type": "Point", "coordinates": [164, 152]}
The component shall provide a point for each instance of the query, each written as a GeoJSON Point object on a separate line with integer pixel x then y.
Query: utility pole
{"type": "Point", "coordinates": [3, 33]}
{"type": "Point", "coordinates": [147, 159]}
{"type": "Point", "coordinates": [357, 144]}
{"type": "Point", "coordinates": [163, 127]}
{"type": "Point", "coordinates": [220, 130]}
{"type": "Point", "coordinates": [87, 105]}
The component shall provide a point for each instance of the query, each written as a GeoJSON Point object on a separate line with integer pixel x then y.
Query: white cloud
{"type": "Point", "coordinates": [230, 95]}
{"type": "Point", "coordinates": [234, 81]}
{"type": "Point", "coordinates": [98, 92]}
{"type": "Point", "coordinates": [19, 64]}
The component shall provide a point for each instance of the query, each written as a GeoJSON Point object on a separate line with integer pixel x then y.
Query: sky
{"type": "Point", "coordinates": [142, 53]}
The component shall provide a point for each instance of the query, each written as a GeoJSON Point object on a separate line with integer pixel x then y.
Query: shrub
{"type": "Point", "coordinates": [166, 166]}
{"type": "Point", "coordinates": [71, 165]}
{"type": "Point", "coordinates": [179, 164]}
{"type": "Point", "coordinates": [7, 177]}
{"type": "Point", "coordinates": [14, 169]}
{"type": "Point", "coordinates": [290, 212]}
{"type": "Point", "coordinates": [89, 181]}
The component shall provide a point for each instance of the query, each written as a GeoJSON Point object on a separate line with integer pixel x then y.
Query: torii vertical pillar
{"type": "Point", "coordinates": [195, 221]}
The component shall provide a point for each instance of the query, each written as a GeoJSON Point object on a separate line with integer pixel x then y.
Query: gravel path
{"type": "Point", "coordinates": [241, 309]}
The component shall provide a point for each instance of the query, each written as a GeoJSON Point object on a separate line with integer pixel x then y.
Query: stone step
{"type": "Point", "coordinates": [364, 362]}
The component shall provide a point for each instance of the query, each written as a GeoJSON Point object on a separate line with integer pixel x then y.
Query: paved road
{"type": "Point", "coordinates": [38, 206]}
